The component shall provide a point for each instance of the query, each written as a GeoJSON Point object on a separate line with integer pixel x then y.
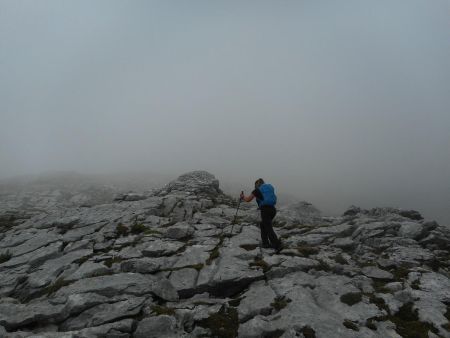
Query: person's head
{"type": "Point", "coordinates": [259, 182]}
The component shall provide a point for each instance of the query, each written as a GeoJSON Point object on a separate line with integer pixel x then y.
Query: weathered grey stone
{"type": "Point", "coordinates": [159, 248]}
{"type": "Point", "coordinates": [179, 231]}
{"type": "Point", "coordinates": [291, 264]}
{"type": "Point", "coordinates": [156, 327]}
{"type": "Point", "coordinates": [39, 240]}
{"type": "Point", "coordinates": [193, 255]}
{"type": "Point", "coordinates": [126, 283]}
{"type": "Point", "coordinates": [143, 265]}
{"type": "Point", "coordinates": [104, 313]}
{"type": "Point", "coordinates": [89, 269]}
{"type": "Point", "coordinates": [52, 268]}
{"type": "Point", "coordinates": [411, 230]}
{"type": "Point", "coordinates": [13, 316]}
{"type": "Point", "coordinates": [184, 281]}
{"type": "Point", "coordinates": [376, 273]}
{"type": "Point", "coordinates": [227, 275]}
{"type": "Point", "coordinates": [344, 243]}
{"type": "Point", "coordinates": [257, 300]}
{"type": "Point", "coordinates": [36, 257]}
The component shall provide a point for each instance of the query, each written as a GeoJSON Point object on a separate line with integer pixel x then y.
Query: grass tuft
{"type": "Point", "coordinates": [350, 325]}
{"type": "Point", "coordinates": [162, 310]}
{"type": "Point", "coordinates": [280, 302]}
{"type": "Point", "coordinates": [4, 257]}
{"type": "Point", "coordinates": [351, 298]}
{"type": "Point", "coordinates": [121, 230]}
{"type": "Point", "coordinates": [223, 324]}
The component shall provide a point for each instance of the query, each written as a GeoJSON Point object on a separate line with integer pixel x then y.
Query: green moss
{"type": "Point", "coordinates": [323, 266]}
{"type": "Point", "coordinates": [121, 230]}
{"type": "Point", "coordinates": [447, 315]}
{"type": "Point", "coordinates": [380, 286]}
{"type": "Point", "coordinates": [197, 267]}
{"type": "Point", "coordinates": [162, 310]}
{"type": "Point", "coordinates": [274, 334]}
{"type": "Point", "coordinates": [280, 302]}
{"type": "Point", "coordinates": [340, 259]}
{"type": "Point", "coordinates": [152, 232]}
{"type": "Point", "coordinates": [379, 302]}
{"type": "Point", "coordinates": [351, 298]}
{"type": "Point", "coordinates": [138, 228]}
{"type": "Point", "coordinates": [235, 302]}
{"type": "Point", "coordinates": [110, 261]}
{"type": "Point", "coordinates": [5, 256]}
{"type": "Point", "coordinates": [249, 247]}
{"type": "Point", "coordinates": [307, 250]}
{"type": "Point", "coordinates": [370, 324]}
{"type": "Point", "coordinates": [350, 325]}
{"type": "Point", "coordinates": [308, 332]}
{"type": "Point", "coordinates": [213, 255]}
{"type": "Point", "coordinates": [58, 284]}
{"type": "Point", "coordinates": [416, 284]}
{"type": "Point", "coordinates": [223, 324]}
{"type": "Point", "coordinates": [400, 273]}
{"type": "Point", "coordinates": [278, 224]}
{"type": "Point", "coordinates": [258, 262]}
{"type": "Point", "coordinates": [407, 323]}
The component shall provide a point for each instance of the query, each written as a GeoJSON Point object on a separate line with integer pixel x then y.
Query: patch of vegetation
{"type": "Point", "coordinates": [223, 324]}
{"type": "Point", "coordinates": [350, 325]}
{"type": "Point", "coordinates": [261, 263]}
{"type": "Point", "coordinates": [447, 315]}
{"type": "Point", "coordinates": [4, 257]}
{"type": "Point", "coordinates": [110, 261]}
{"type": "Point", "coordinates": [370, 324]}
{"type": "Point", "coordinates": [213, 255]}
{"type": "Point", "coordinates": [274, 334]}
{"type": "Point", "coordinates": [400, 273]}
{"type": "Point", "coordinates": [152, 232]}
{"type": "Point", "coordinates": [58, 284]}
{"type": "Point", "coordinates": [407, 323]}
{"type": "Point", "coordinates": [416, 284]}
{"type": "Point", "coordinates": [235, 302]}
{"type": "Point", "coordinates": [215, 252]}
{"type": "Point", "coordinates": [278, 224]}
{"type": "Point", "coordinates": [351, 298]}
{"type": "Point", "coordinates": [280, 302]}
{"type": "Point", "coordinates": [379, 302]}
{"type": "Point", "coordinates": [121, 230]}
{"type": "Point", "coordinates": [307, 250]}
{"type": "Point", "coordinates": [323, 266]}
{"type": "Point", "coordinates": [308, 332]}
{"type": "Point", "coordinates": [340, 259]}
{"type": "Point", "coordinates": [249, 247]}
{"type": "Point", "coordinates": [380, 286]}
{"type": "Point", "coordinates": [137, 228]}
{"type": "Point", "coordinates": [162, 310]}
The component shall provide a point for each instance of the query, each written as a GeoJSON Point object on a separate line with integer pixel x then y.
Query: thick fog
{"type": "Point", "coordinates": [334, 102]}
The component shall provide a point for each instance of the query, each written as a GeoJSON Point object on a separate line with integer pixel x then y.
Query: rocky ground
{"type": "Point", "coordinates": [171, 263]}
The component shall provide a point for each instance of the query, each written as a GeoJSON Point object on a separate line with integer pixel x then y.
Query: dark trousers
{"type": "Point", "coordinates": [268, 236]}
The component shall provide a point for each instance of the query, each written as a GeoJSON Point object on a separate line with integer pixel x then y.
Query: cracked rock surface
{"type": "Point", "coordinates": [172, 263]}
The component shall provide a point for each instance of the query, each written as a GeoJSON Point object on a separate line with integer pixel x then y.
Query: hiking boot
{"type": "Point", "coordinates": [279, 248]}
{"type": "Point", "coordinates": [266, 246]}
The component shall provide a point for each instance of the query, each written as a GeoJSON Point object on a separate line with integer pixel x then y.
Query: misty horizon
{"type": "Point", "coordinates": [333, 103]}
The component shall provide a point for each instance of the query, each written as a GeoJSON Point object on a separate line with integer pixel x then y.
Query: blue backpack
{"type": "Point", "coordinates": [269, 197]}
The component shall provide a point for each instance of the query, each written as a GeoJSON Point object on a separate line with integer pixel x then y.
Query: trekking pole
{"type": "Point", "coordinates": [234, 219]}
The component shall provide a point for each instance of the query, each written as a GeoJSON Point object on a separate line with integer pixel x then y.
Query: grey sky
{"type": "Point", "coordinates": [337, 102]}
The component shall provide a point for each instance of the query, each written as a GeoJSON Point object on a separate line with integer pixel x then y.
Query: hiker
{"type": "Point", "coordinates": [266, 199]}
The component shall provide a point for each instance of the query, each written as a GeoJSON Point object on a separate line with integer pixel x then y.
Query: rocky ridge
{"type": "Point", "coordinates": [173, 263]}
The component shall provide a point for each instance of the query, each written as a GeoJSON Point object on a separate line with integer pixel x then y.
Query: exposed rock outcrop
{"type": "Point", "coordinates": [172, 263]}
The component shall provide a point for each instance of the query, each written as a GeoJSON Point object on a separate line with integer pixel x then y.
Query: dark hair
{"type": "Point", "coordinates": [258, 182]}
